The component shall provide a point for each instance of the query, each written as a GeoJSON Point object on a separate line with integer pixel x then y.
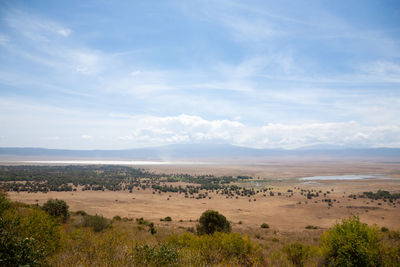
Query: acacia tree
{"type": "Point", "coordinates": [211, 221]}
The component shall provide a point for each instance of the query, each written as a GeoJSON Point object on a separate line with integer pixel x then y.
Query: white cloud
{"type": "Point", "coordinates": [183, 128]}
{"type": "Point", "coordinates": [338, 133]}
{"type": "Point", "coordinates": [34, 27]}
{"type": "Point", "coordinates": [382, 70]}
{"type": "Point", "coordinates": [4, 39]}
{"type": "Point", "coordinates": [51, 138]}
{"type": "Point", "coordinates": [63, 31]}
{"type": "Point", "coordinates": [250, 25]}
{"type": "Point", "coordinates": [194, 129]}
{"type": "Point", "coordinates": [136, 73]}
{"type": "Point", "coordinates": [127, 131]}
{"type": "Point", "coordinates": [245, 29]}
{"type": "Point", "coordinates": [85, 62]}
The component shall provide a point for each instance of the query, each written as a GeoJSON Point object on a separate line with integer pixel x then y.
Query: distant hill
{"type": "Point", "coordinates": [204, 151]}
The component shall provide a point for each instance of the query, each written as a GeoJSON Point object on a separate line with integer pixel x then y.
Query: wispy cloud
{"type": "Point", "coordinates": [230, 15]}
{"type": "Point", "coordinates": [4, 39]}
{"type": "Point", "coordinates": [262, 74]}
{"type": "Point", "coordinates": [34, 27]}
{"type": "Point", "coordinates": [381, 71]}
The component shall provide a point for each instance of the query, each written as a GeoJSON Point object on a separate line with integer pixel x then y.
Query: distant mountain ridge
{"type": "Point", "coordinates": [203, 151]}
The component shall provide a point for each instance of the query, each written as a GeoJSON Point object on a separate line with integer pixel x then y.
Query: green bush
{"type": "Point", "coordinates": [152, 229]}
{"type": "Point", "coordinates": [218, 249]}
{"type": "Point", "coordinates": [18, 252]}
{"type": "Point", "coordinates": [142, 221]}
{"type": "Point", "coordinates": [57, 208]}
{"type": "Point", "coordinates": [384, 229]}
{"type": "Point", "coordinates": [81, 212]}
{"type": "Point", "coordinates": [84, 247]}
{"type": "Point", "coordinates": [161, 255]}
{"type": "Point", "coordinates": [4, 202]}
{"type": "Point", "coordinates": [97, 222]}
{"type": "Point", "coordinates": [264, 225]}
{"type": "Point", "coordinates": [211, 221]}
{"type": "Point", "coordinates": [27, 235]}
{"type": "Point", "coordinates": [297, 253]}
{"type": "Point", "coordinates": [351, 243]}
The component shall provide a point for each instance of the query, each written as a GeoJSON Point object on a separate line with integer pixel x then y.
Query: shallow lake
{"type": "Point", "coordinates": [342, 177]}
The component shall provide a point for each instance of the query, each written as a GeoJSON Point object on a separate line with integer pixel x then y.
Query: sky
{"type": "Point", "coordinates": [263, 74]}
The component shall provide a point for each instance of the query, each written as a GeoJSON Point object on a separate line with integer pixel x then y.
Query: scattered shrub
{"type": "Point", "coordinates": [166, 219]}
{"type": "Point", "coordinates": [57, 208]}
{"type": "Point", "coordinates": [117, 218]}
{"type": "Point", "coordinates": [211, 221]}
{"type": "Point", "coordinates": [218, 249]}
{"type": "Point", "coordinates": [152, 229]}
{"type": "Point", "coordinates": [142, 221]}
{"type": "Point", "coordinates": [384, 229]}
{"type": "Point", "coordinates": [264, 225]}
{"type": "Point", "coordinates": [4, 202]}
{"type": "Point", "coordinates": [297, 253]}
{"type": "Point", "coordinates": [312, 227]}
{"type": "Point", "coordinates": [161, 255]}
{"type": "Point", "coordinates": [81, 212]}
{"type": "Point", "coordinates": [97, 222]}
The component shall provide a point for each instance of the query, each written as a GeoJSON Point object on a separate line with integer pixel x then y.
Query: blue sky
{"type": "Point", "coordinates": [264, 74]}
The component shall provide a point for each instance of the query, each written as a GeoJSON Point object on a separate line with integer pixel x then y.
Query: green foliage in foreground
{"type": "Point", "coordinates": [31, 237]}
{"type": "Point", "coordinates": [114, 248]}
{"type": "Point", "coordinates": [351, 243]}
{"type": "Point", "coordinates": [211, 221]}
{"type": "Point", "coordinates": [297, 253]}
{"type": "Point", "coordinates": [160, 255]}
{"type": "Point", "coordinates": [27, 234]}
{"type": "Point", "coordinates": [216, 249]}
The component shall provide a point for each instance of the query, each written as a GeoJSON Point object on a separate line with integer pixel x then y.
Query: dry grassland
{"type": "Point", "coordinates": [282, 213]}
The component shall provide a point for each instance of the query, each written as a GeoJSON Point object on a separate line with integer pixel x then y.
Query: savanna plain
{"type": "Point", "coordinates": [284, 211]}
{"type": "Point", "coordinates": [274, 204]}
